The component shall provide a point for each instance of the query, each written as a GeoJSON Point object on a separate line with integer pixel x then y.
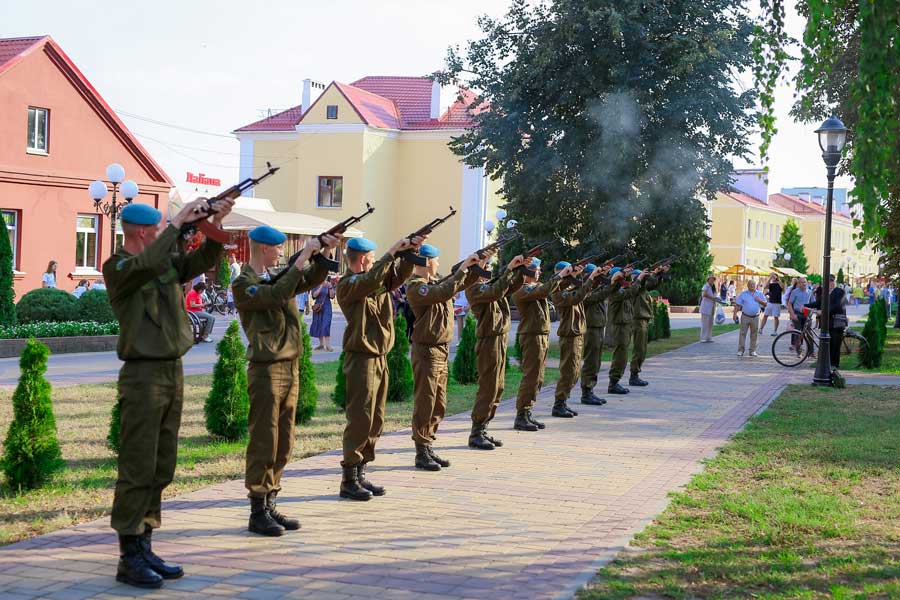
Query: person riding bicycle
{"type": "Point", "coordinates": [799, 297]}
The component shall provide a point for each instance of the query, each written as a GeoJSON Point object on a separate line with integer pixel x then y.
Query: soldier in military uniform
{"type": "Point", "coordinates": [571, 329]}
{"type": "Point", "coordinates": [433, 306]}
{"type": "Point", "coordinates": [595, 320]}
{"type": "Point", "coordinates": [621, 314]}
{"type": "Point", "coordinates": [643, 312]}
{"type": "Point", "coordinates": [534, 339]}
{"type": "Point", "coordinates": [271, 321]}
{"type": "Point", "coordinates": [144, 282]}
{"type": "Point", "coordinates": [364, 295]}
{"type": "Point", "coordinates": [491, 309]}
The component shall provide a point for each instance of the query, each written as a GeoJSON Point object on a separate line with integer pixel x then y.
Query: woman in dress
{"type": "Point", "coordinates": [321, 322]}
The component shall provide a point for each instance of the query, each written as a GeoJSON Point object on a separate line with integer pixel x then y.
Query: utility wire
{"type": "Point", "coordinates": [172, 125]}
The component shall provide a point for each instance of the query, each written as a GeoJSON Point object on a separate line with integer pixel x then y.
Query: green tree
{"type": "Point", "coordinates": [875, 332]}
{"type": "Point", "coordinates": [309, 394]}
{"type": "Point", "coordinates": [604, 127]}
{"type": "Point", "coordinates": [7, 292]}
{"type": "Point", "coordinates": [840, 276]}
{"type": "Point", "coordinates": [339, 395]}
{"type": "Point", "coordinates": [792, 242]}
{"type": "Point", "coordinates": [223, 274]}
{"type": "Point", "coordinates": [227, 406]}
{"type": "Point", "coordinates": [32, 452]}
{"type": "Point", "coordinates": [400, 382]}
{"type": "Point", "coordinates": [665, 324]}
{"type": "Point", "coordinates": [653, 324]}
{"type": "Point", "coordinates": [465, 363]}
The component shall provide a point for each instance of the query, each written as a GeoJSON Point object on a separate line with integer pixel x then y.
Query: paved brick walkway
{"type": "Point", "coordinates": [533, 519]}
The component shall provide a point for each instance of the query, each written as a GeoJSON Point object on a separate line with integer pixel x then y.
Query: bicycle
{"type": "Point", "coordinates": [790, 348]}
{"type": "Point", "coordinates": [215, 299]}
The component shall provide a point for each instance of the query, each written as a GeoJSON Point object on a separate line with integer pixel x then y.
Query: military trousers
{"type": "Point", "coordinates": [640, 329]}
{"type": "Point", "coordinates": [151, 394]}
{"type": "Point", "coordinates": [431, 369]}
{"type": "Point", "coordinates": [593, 356]}
{"type": "Point", "coordinates": [570, 352]}
{"type": "Point", "coordinates": [491, 365]}
{"type": "Point", "coordinates": [273, 388]}
{"type": "Point", "coordinates": [534, 356]}
{"type": "Point", "coordinates": [621, 337]}
{"type": "Point", "coordinates": [367, 386]}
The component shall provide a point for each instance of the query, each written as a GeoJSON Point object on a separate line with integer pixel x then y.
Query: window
{"type": "Point", "coordinates": [756, 235]}
{"type": "Point", "coordinates": [331, 192]}
{"type": "Point", "coordinates": [331, 111]}
{"type": "Point", "coordinates": [771, 231]}
{"type": "Point", "coordinates": [12, 226]}
{"type": "Point", "coordinates": [120, 237]}
{"type": "Point", "coordinates": [749, 231]}
{"type": "Point", "coordinates": [86, 242]}
{"type": "Point", "coordinates": [38, 127]}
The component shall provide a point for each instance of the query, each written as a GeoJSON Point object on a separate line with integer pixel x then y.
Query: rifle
{"type": "Point", "coordinates": [634, 264]}
{"type": "Point", "coordinates": [504, 241]}
{"type": "Point", "coordinates": [411, 255]}
{"type": "Point", "coordinates": [582, 262]}
{"type": "Point", "coordinates": [320, 258]}
{"type": "Point", "coordinates": [662, 263]}
{"type": "Point", "coordinates": [208, 229]}
{"type": "Point", "coordinates": [531, 253]}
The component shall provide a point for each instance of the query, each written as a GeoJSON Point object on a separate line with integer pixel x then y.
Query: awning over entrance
{"type": "Point", "coordinates": [253, 212]}
{"type": "Point", "coordinates": [788, 272]}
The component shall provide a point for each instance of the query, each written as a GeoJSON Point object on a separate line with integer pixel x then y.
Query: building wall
{"type": "Point", "coordinates": [49, 191]}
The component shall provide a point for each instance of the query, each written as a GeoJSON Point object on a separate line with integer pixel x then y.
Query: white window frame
{"type": "Point", "coordinates": [14, 236]}
{"type": "Point", "coordinates": [319, 192]}
{"type": "Point", "coordinates": [32, 146]}
{"type": "Point", "coordinates": [96, 231]}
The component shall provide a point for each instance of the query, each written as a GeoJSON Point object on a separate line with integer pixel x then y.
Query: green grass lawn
{"type": "Point", "coordinates": [802, 504]}
{"type": "Point", "coordinates": [83, 491]}
{"type": "Point", "coordinates": [679, 338]}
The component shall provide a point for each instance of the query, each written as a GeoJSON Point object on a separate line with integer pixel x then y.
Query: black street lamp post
{"type": "Point", "coordinates": [115, 173]}
{"type": "Point", "coordinates": [832, 136]}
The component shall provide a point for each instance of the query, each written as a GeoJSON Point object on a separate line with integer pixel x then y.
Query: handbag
{"type": "Point", "coordinates": [839, 322]}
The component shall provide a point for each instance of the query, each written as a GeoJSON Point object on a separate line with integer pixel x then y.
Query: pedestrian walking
{"type": "Point", "coordinates": [708, 302]}
{"type": "Point", "coordinates": [748, 305]}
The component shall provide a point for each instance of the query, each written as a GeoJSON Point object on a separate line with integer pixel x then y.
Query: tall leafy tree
{"type": "Point", "coordinates": [608, 120]}
{"type": "Point", "coordinates": [792, 242]}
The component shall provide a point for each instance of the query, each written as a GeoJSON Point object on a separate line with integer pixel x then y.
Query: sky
{"type": "Point", "coordinates": [208, 67]}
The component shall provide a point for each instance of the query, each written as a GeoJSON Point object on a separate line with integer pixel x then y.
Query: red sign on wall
{"type": "Point", "coordinates": [202, 179]}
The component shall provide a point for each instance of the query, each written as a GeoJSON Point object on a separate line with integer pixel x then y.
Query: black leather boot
{"type": "Point", "coordinates": [568, 408]}
{"type": "Point", "coordinates": [497, 443]}
{"type": "Point", "coordinates": [615, 388]}
{"type": "Point", "coordinates": [637, 381]}
{"type": "Point", "coordinates": [560, 410]}
{"type": "Point", "coordinates": [443, 462]}
{"type": "Point", "coordinates": [167, 570]}
{"type": "Point", "coordinates": [261, 521]}
{"type": "Point", "coordinates": [588, 397]}
{"type": "Point", "coordinates": [133, 568]}
{"type": "Point", "coordinates": [376, 490]}
{"type": "Point", "coordinates": [477, 439]}
{"type": "Point", "coordinates": [424, 459]}
{"type": "Point", "coordinates": [283, 520]}
{"type": "Point", "coordinates": [350, 486]}
{"type": "Point", "coordinates": [523, 423]}
{"type": "Point", "coordinates": [533, 421]}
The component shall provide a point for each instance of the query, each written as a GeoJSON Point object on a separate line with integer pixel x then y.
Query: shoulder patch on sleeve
{"type": "Point", "coordinates": [251, 291]}
{"type": "Point", "coordinates": [484, 287]}
{"type": "Point", "coordinates": [353, 279]}
{"type": "Point", "coordinates": [529, 287]}
{"type": "Point", "coordinates": [120, 264]}
{"type": "Point", "coordinates": [423, 290]}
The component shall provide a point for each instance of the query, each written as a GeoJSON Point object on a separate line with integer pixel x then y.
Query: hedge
{"type": "Point", "coordinates": [47, 304]}
{"type": "Point", "coordinates": [94, 306]}
{"type": "Point", "coordinates": [48, 329]}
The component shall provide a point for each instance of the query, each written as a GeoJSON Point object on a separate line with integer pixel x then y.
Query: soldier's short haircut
{"type": "Point", "coordinates": [355, 255]}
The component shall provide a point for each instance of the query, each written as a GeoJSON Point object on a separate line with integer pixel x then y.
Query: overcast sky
{"type": "Point", "coordinates": [213, 66]}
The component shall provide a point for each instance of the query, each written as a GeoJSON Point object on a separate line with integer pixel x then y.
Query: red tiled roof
{"type": "Point", "coordinates": [283, 121]}
{"type": "Point", "coordinates": [801, 207]}
{"type": "Point", "coordinates": [748, 200]}
{"type": "Point", "coordinates": [373, 109]}
{"type": "Point", "coordinates": [412, 95]}
{"type": "Point", "coordinates": [14, 49]}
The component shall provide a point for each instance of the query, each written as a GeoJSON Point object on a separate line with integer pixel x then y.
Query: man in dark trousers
{"type": "Point", "coordinates": [621, 314]}
{"type": "Point", "coordinates": [595, 321]}
{"type": "Point", "coordinates": [145, 279]}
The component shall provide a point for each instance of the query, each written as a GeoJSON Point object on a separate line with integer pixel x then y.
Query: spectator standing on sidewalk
{"type": "Point", "coordinates": [749, 304]}
{"type": "Point", "coordinates": [48, 279]}
{"type": "Point", "coordinates": [708, 308]}
{"type": "Point", "coordinates": [773, 308]}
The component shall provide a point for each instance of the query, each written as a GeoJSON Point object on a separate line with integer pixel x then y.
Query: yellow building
{"type": "Point", "coordinates": [746, 224]}
{"type": "Point", "coordinates": [380, 140]}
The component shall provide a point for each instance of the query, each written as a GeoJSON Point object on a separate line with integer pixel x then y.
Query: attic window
{"type": "Point", "coordinates": [331, 111]}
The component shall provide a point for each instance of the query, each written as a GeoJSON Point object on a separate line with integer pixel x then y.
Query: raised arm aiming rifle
{"type": "Point", "coordinates": [208, 229]}
{"type": "Point", "coordinates": [504, 241]}
{"type": "Point", "coordinates": [581, 263]}
{"type": "Point", "coordinates": [529, 254]}
{"type": "Point", "coordinates": [338, 229]}
{"type": "Point", "coordinates": [412, 255]}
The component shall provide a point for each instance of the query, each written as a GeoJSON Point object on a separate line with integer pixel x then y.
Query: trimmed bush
{"type": "Point", "coordinates": [32, 452]}
{"type": "Point", "coordinates": [7, 292]}
{"type": "Point", "coordinates": [115, 426]}
{"type": "Point", "coordinates": [653, 325]}
{"type": "Point", "coordinates": [46, 330]}
{"type": "Point", "coordinates": [47, 304]}
{"type": "Point", "coordinates": [94, 306]}
{"type": "Point", "coordinates": [840, 276]}
{"type": "Point", "coordinates": [875, 332]}
{"type": "Point", "coordinates": [309, 394]}
{"type": "Point", "coordinates": [223, 273]}
{"type": "Point", "coordinates": [465, 369]}
{"type": "Point", "coordinates": [339, 395]}
{"type": "Point", "coordinates": [227, 406]}
{"type": "Point", "coordinates": [665, 324]}
{"type": "Point", "coordinates": [400, 382]}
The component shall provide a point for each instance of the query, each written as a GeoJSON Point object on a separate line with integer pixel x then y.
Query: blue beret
{"type": "Point", "coordinates": [590, 267]}
{"type": "Point", "coordinates": [140, 214]}
{"type": "Point", "coordinates": [267, 235]}
{"type": "Point", "coordinates": [361, 245]}
{"type": "Point", "coordinates": [636, 272]}
{"type": "Point", "coordinates": [562, 265]}
{"type": "Point", "coordinates": [535, 262]}
{"type": "Point", "coordinates": [615, 270]}
{"type": "Point", "coordinates": [429, 251]}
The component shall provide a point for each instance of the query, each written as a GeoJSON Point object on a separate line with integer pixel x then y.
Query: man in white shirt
{"type": "Point", "coordinates": [749, 304]}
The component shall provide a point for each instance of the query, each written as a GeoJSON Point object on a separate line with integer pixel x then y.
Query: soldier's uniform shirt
{"type": "Point", "coordinates": [433, 329]}
{"type": "Point", "coordinates": [621, 313]}
{"type": "Point", "coordinates": [643, 312]}
{"type": "Point", "coordinates": [572, 325]}
{"type": "Point", "coordinates": [145, 292]}
{"type": "Point", "coordinates": [595, 316]}
{"type": "Point", "coordinates": [271, 322]}
{"type": "Point", "coordinates": [534, 337]}
{"type": "Point", "coordinates": [491, 309]}
{"type": "Point", "coordinates": [365, 300]}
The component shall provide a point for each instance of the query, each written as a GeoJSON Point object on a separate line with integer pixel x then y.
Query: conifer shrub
{"type": "Point", "coordinates": [665, 324]}
{"type": "Point", "coordinates": [94, 306]}
{"type": "Point", "coordinates": [400, 381]}
{"type": "Point", "coordinates": [7, 292]}
{"type": "Point", "coordinates": [115, 426]}
{"type": "Point", "coordinates": [653, 324]}
{"type": "Point", "coordinates": [875, 332]}
{"type": "Point", "coordinates": [227, 406]}
{"type": "Point", "coordinates": [47, 304]}
{"type": "Point", "coordinates": [223, 273]}
{"type": "Point", "coordinates": [339, 395]}
{"type": "Point", "coordinates": [31, 450]}
{"type": "Point", "coordinates": [309, 394]}
{"type": "Point", "coordinates": [465, 369]}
